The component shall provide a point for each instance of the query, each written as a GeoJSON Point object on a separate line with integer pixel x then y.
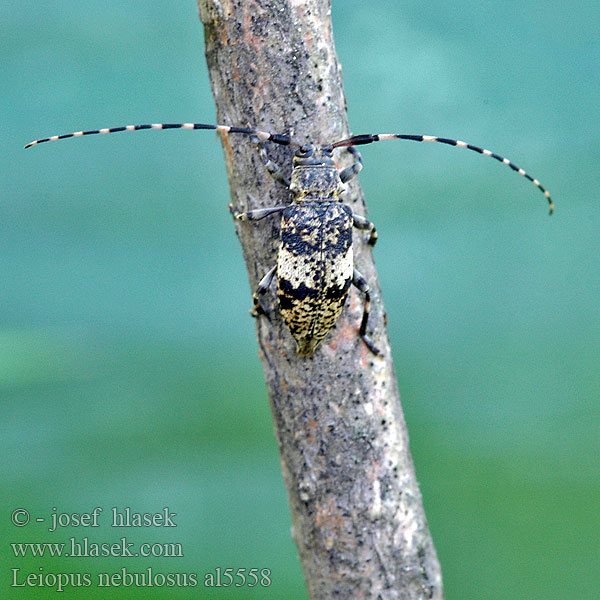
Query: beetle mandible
{"type": "Point", "coordinates": [315, 265]}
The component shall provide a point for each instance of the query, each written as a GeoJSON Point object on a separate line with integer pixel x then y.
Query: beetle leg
{"type": "Point", "coordinates": [256, 214]}
{"type": "Point", "coordinates": [363, 223]}
{"type": "Point", "coordinates": [361, 283]}
{"type": "Point", "coordinates": [273, 169]}
{"type": "Point", "coordinates": [354, 169]}
{"type": "Point", "coordinates": [262, 287]}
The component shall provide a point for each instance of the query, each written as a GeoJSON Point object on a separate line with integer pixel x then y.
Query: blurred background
{"type": "Point", "coordinates": [129, 374]}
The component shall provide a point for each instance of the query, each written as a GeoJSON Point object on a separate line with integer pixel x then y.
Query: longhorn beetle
{"type": "Point", "coordinates": [315, 264]}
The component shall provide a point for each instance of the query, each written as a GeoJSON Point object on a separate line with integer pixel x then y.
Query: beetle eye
{"type": "Point", "coordinates": [304, 151]}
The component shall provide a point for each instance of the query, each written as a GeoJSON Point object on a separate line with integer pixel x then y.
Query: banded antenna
{"type": "Point", "coordinates": [358, 140]}
{"type": "Point", "coordinates": [284, 140]}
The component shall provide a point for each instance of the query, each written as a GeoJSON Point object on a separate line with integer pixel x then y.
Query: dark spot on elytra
{"type": "Point", "coordinates": [301, 292]}
{"type": "Point", "coordinates": [335, 292]}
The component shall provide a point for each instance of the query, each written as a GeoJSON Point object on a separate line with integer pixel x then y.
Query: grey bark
{"type": "Point", "coordinates": [358, 520]}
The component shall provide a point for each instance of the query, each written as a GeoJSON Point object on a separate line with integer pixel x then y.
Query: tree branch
{"type": "Point", "coordinates": [356, 508]}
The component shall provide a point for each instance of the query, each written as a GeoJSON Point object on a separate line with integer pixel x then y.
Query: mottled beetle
{"type": "Point", "coordinates": [315, 265]}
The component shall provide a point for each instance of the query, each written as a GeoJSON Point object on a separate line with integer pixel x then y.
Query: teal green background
{"type": "Point", "coordinates": [128, 365]}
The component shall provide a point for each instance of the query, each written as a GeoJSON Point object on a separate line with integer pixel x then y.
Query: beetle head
{"type": "Point", "coordinates": [310, 155]}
